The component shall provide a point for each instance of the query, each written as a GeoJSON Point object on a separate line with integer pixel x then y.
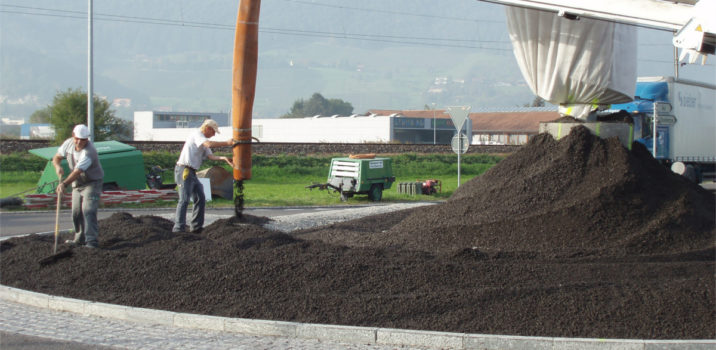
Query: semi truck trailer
{"type": "Point", "coordinates": [676, 120]}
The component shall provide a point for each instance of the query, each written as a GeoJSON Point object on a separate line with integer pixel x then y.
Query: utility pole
{"type": "Point", "coordinates": [90, 106]}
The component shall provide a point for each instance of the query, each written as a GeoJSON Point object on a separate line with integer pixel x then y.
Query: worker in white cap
{"type": "Point", "coordinates": [85, 176]}
{"type": "Point", "coordinates": [196, 148]}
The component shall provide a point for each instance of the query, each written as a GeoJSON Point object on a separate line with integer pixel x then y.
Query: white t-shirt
{"type": "Point", "coordinates": [82, 161]}
{"type": "Point", "coordinates": [193, 153]}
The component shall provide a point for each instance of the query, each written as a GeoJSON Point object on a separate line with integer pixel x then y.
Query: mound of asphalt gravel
{"type": "Point", "coordinates": [576, 238]}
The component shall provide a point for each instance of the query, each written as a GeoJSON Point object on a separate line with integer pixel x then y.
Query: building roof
{"type": "Point", "coordinates": [511, 121]}
{"type": "Point", "coordinates": [523, 122]}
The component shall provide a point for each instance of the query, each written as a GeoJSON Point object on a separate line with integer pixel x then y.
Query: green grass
{"type": "Point", "coordinates": [18, 183]}
{"type": "Point", "coordinates": [260, 193]}
{"type": "Point", "coordinates": [282, 180]}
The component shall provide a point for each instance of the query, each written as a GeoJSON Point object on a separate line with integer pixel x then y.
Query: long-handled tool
{"type": "Point", "coordinates": [57, 222]}
{"type": "Point", "coordinates": [64, 254]}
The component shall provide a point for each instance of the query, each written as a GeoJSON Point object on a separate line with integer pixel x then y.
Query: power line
{"type": "Point", "coordinates": [109, 17]}
{"type": "Point", "coordinates": [414, 40]}
{"type": "Point", "coordinates": [377, 38]}
{"type": "Point", "coordinates": [406, 40]}
{"type": "Point", "coordinates": [391, 12]}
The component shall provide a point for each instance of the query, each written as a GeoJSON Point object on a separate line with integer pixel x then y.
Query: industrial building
{"type": "Point", "coordinates": [379, 126]}
{"type": "Point", "coordinates": [394, 127]}
{"type": "Point", "coordinates": [171, 126]}
{"type": "Point", "coordinates": [36, 131]}
{"type": "Point", "coordinates": [512, 127]}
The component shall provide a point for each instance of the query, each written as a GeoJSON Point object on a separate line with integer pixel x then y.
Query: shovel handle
{"type": "Point", "coordinates": [57, 221]}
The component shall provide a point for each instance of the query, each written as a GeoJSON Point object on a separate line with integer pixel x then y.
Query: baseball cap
{"type": "Point", "coordinates": [81, 131]}
{"type": "Point", "coordinates": [211, 123]}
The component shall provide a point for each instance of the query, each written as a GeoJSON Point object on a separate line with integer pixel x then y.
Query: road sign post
{"type": "Point", "coordinates": [459, 143]}
{"type": "Point", "coordinates": [459, 116]}
{"type": "Point", "coordinates": [459, 146]}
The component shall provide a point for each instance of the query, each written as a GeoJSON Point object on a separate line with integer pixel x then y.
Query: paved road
{"type": "Point", "coordinates": [25, 327]}
{"type": "Point", "coordinates": [13, 223]}
{"type": "Point", "coordinates": [12, 341]}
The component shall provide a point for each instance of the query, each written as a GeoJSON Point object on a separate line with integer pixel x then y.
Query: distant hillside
{"type": "Point", "coordinates": [375, 54]}
{"type": "Point", "coordinates": [305, 47]}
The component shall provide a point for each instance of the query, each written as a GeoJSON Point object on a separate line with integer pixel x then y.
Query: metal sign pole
{"type": "Point", "coordinates": [458, 116]}
{"type": "Point", "coordinates": [459, 143]}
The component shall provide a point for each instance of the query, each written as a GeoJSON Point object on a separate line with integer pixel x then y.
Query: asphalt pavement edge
{"type": "Point", "coordinates": [346, 334]}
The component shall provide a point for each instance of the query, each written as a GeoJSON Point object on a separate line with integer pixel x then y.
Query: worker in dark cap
{"type": "Point", "coordinates": [85, 176]}
{"type": "Point", "coordinates": [196, 148]}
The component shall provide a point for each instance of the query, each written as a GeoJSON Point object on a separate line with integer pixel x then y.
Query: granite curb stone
{"type": "Point", "coordinates": [442, 340]}
{"type": "Point", "coordinates": [347, 334]}
{"type": "Point", "coordinates": [261, 327]}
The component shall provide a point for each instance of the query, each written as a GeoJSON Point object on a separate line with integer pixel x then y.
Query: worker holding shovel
{"type": "Point", "coordinates": [85, 176]}
{"type": "Point", "coordinates": [196, 148]}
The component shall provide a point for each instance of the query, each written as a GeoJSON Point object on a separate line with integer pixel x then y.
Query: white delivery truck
{"type": "Point", "coordinates": [683, 134]}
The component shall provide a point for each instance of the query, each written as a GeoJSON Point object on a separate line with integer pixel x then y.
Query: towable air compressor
{"type": "Point", "coordinates": [359, 174]}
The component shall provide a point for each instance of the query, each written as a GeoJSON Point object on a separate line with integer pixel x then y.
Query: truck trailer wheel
{"type": "Point", "coordinates": [686, 170]}
{"type": "Point", "coordinates": [376, 192]}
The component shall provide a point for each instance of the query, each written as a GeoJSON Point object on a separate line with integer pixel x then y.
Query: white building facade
{"type": "Point", "coordinates": [168, 126]}
{"type": "Point", "coordinates": [330, 129]}
{"type": "Point", "coordinates": [172, 126]}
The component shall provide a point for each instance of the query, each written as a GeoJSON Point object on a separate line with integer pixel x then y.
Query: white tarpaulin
{"type": "Point", "coordinates": [576, 64]}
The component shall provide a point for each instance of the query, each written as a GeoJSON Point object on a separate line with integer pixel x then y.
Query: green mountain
{"type": "Point", "coordinates": [375, 54]}
{"type": "Point", "coordinates": [177, 55]}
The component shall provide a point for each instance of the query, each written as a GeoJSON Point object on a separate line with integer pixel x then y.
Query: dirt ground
{"type": "Point", "coordinates": [576, 238]}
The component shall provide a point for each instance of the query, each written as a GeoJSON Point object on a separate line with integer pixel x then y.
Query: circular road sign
{"type": "Point", "coordinates": [459, 143]}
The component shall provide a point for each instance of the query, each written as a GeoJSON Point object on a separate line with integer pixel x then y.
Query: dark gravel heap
{"type": "Point", "coordinates": [576, 238]}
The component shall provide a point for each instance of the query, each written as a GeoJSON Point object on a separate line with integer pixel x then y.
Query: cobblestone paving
{"type": "Point", "coordinates": [65, 326]}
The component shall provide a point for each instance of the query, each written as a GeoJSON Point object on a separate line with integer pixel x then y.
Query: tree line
{"type": "Point", "coordinates": [69, 108]}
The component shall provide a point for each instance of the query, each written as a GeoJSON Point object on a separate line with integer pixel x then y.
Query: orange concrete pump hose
{"type": "Point", "coordinates": [243, 87]}
{"type": "Point", "coordinates": [244, 84]}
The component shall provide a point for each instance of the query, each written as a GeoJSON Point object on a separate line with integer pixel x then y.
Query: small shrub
{"type": "Point", "coordinates": [22, 162]}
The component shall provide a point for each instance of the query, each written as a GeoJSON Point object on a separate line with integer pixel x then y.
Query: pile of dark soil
{"type": "Point", "coordinates": [576, 238]}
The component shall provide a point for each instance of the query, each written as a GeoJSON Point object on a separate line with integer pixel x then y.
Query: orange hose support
{"type": "Point", "coordinates": [246, 50]}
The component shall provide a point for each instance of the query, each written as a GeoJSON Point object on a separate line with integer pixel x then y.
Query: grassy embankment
{"type": "Point", "coordinates": [278, 180]}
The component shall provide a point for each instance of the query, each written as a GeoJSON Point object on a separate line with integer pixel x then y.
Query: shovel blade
{"type": "Point", "coordinates": [56, 257]}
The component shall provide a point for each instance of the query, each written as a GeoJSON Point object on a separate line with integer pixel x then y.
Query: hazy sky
{"type": "Point", "coordinates": [199, 34]}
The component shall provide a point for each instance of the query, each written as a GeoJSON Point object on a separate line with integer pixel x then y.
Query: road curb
{"type": "Point", "coordinates": [337, 333]}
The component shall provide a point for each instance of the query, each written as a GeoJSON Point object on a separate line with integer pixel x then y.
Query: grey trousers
{"type": "Point", "coordinates": [189, 188]}
{"type": "Point", "coordinates": [85, 202]}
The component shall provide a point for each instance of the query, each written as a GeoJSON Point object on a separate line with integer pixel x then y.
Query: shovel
{"type": "Point", "coordinates": [57, 222]}
{"type": "Point", "coordinates": [55, 256]}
